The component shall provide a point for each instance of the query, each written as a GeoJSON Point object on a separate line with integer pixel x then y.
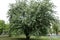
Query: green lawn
{"type": "Point", "coordinates": [32, 38]}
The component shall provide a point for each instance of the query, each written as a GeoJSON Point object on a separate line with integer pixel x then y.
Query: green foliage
{"type": "Point", "coordinates": [56, 27]}
{"type": "Point", "coordinates": [2, 25]}
{"type": "Point", "coordinates": [31, 17]}
{"type": "Point", "coordinates": [6, 29]}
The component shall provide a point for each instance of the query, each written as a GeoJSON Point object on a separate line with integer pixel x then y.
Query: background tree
{"type": "Point", "coordinates": [31, 17]}
{"type": "Point", "coordinates": [55, 27]}
{"type": "Point", "coordinates": [6, 29]}
{"type": "Point", "coordinates": [2, 25]}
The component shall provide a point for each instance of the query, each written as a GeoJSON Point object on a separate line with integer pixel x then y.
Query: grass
{"type": "Point", "coordinates": [32, 38]}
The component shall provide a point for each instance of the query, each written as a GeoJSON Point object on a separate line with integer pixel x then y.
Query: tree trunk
{"type": "Point", "coordinates": [27, 37]}
{"type": "Point", "coordinates": [56, 32]}
{"type": "Point", "coordinates": [9, 35]}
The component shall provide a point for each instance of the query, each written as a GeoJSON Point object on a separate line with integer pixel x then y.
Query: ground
{"type": "Point", "coordinates": [32, 38]}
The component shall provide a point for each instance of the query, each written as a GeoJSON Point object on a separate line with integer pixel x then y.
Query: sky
{"type": "Point", "coordinates": [4, 6]}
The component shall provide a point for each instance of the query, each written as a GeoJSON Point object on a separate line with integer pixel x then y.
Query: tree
{"type": "Point", "coordinates": [32, 17]}
{"type": "Point", "coordinates": [6, 28]}
{"type": "Point", "coordinates": [55, 27]}
{"type": "Point", "coordinates": [2, 25]}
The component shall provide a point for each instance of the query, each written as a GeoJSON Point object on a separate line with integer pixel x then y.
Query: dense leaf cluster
{"type": "Point", "coordinates": [31, 17]}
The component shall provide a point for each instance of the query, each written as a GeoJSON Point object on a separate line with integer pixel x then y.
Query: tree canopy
{"type": "Point", "coordinates": [31, 17]}
{"type": "Point", "coordinates": [2, 25]}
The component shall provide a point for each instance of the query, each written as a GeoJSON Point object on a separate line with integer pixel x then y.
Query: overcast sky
{"type": "Point", "coordinates": [4, 6]}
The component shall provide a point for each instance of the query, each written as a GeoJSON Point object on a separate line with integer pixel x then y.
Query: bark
{"type": "Point", "coordinates": [27, 37]}
{"type": "Point", "coordinates": [9, 35]}
{"type": "Point", "coordinates": [56, 32]}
